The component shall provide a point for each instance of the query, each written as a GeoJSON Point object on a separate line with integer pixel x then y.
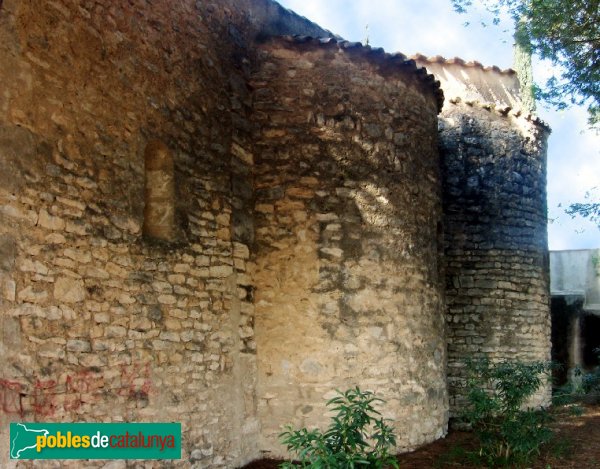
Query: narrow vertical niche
{"type": "Point", "coordinates": [159, 209]}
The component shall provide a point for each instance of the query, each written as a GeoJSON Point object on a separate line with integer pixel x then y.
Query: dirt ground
{"type": "Point", "coordinates": [576, 445]}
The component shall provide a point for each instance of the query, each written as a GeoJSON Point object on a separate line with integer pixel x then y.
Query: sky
{"type": "Point", "coordinates": [431, 27]}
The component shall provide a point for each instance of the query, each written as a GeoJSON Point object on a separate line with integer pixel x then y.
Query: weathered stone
{"type": "Point", "coordinates": [162, 287]}
{"type": "Point", "coordinates": [9, 288]}
{"type": "Point", "coordinates": [243, 154]}
{"type": "Point", "coordinates": [348, 219]}
{"type": "Point", "coordinates": [126, 224]}
{"type": "Point", "coordinates": [167, 299]}
{"type": "Point", "coordinates": [140, 324]}
{"type": "Point", "coordinates": [18, 214]}
{"type": "Point", "coordinates": [76, 345]}
{"type": "Point", "coordinates": [101, 317]}
{"type": "Point", "coordinates": [96, 272]}
{"type": "Point", "coordinates": [333, 252]}
{"type": "Point", "coordinates": [71, 203]}
{"type": "Point", "coordinates": [31, 295]}
{"type": "Point", "coordinates": [8, 252]}
{"type": "Point", "coordinates": [76, 228]}
{"type": "Point", "coordinates": [69, 290]}
{"type": "Point", "coordinates": [52, 351]}
{"type": "Point", "coordinates": [116, 331]}
{"type": "Point", "coordinates": [55, 238]}
{"type": "Point", "coordinates": [181, 268]}
{"type": "Point", "coordinates": [483, 230]}
{"type": "Point", "coordinates": [28, 265]}
{"type": "Point", "coordinates": [177, 279]}
{"type": "Point", "coordinates": [155, 313]}
{"type": "Point", "coordinates": [291, 215]}
{"type": "Point", "coordinates": [170, 336]}
{"type": "Point", "coordinates": [221, 271]}
{"type": "Point", "coordinates": [80, 256]}
{"type": "Point", "coordinates": [50, 222]}
{"type": "Point", "coordinates": [126, 299]}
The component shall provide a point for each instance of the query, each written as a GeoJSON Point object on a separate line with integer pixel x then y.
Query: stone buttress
{"type": "Point", "coordinates": [494, 195]}
{"type": "Point", "coordinates": [348, 233]}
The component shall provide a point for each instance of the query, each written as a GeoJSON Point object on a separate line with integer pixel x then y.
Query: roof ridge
{"type": "Point", "coordinates": [438, 59]}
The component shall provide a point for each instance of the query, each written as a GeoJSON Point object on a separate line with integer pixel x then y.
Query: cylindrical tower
{"type": "Point", "coordinates": [496, 250]}
{"type": "Point", "coordinates": [348, 227]}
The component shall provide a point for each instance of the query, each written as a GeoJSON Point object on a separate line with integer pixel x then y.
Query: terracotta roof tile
{"type": "Point", "coordinates": [438, 59]}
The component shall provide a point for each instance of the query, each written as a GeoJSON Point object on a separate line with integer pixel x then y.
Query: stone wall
{"type": "Point", "coordinates": [494, 195]}
{"type": "Point", "coordinates": [496, 252]}
{"type": "Point", "coordinates": [348, 223]}
{"type": "Point", "coordinates": [99, 322]}
{"type": "Point", "coordinates": [166, 170]}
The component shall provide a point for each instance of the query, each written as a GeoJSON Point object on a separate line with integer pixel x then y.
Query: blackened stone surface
{"type": "Point", "coordinates": [494, 176]}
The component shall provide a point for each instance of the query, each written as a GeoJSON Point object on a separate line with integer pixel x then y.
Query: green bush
{"type": "Point", "coordinates": [590, 382]}
{"type": "Point", "coordinates": [357, 436]}
{"type": "Point", "coordinates": [582, 387]}
{"type": "Point", "coordinates": [508, 434]}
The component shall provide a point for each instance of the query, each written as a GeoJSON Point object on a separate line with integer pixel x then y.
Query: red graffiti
{"type": "Point", "coordinates": [46, 397]}
{"type": "Point", "coordinates": [80, 388]}
{"type": "Point", "coordinates": [10, 396]}
{"type": "Point", "coordinates": [135, 381]}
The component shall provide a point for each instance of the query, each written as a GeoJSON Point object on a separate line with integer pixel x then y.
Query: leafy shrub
{"type": "Point", "coordinates": [357, 436]}
{"type": "Point", "coordinates": [497, 392]}
{"type": "Point", "coordinates": [582, 387]}
{"type": "Point", "coordinates": [590, 382]}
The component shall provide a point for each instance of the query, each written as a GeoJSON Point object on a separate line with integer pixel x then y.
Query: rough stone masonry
{"type": "Point", "coordinates": [206, 220]}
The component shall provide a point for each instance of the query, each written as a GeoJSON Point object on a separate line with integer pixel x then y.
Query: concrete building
{"type": "Point", "coordinates": [575, 289]}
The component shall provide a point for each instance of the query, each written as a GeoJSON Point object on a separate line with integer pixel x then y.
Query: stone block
{"type": "Point", "coordinates": [78, 345]}
{"type": "Point", "coordinates": [69, 290]}
{"type": "Point", "coordinates": [31, 295]}
{"type": "Point", "coordinates": [221, 271]}
{"type": "Point", "coordinates": [50, 222]}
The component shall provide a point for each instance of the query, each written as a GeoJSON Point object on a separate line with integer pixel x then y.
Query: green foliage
{"type": "Point", "coordinates": [497, 392]}
{"type": "Point", "coordinates": [561, 448]}
{"type": "Point", "coordinates": [590, 386]}
{"type": "Point", "coordinates": [589, 209]}
{"type": "Point", "coordinates": [596, 258]}
{"type": "Point", "coordinates": [356, 437]}
{"type": "Point", "coordinates": [585, 386]}
{"type": "Point", "coordinates": [565, 32]}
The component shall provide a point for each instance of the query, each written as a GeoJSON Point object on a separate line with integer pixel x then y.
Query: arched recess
{"type": "Point", "coordinates": [159, 209]}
